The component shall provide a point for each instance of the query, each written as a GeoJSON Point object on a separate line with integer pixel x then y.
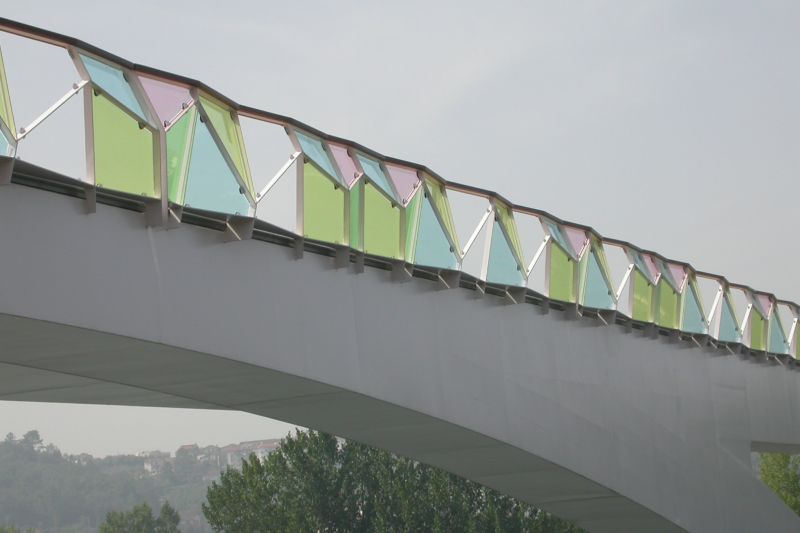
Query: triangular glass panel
{"type": "Point", "coordinates": [693, 320]}
{"type": "Point", "coordinates": [763, 304]}
{"type": "Point", "coordinates": [211, 184]}
{"type": "Point", "coordinates": [777, 338]}
{"type": "Point", "coordinates": [166, 98]}
{"type": "Point", "coordinates": [433, 249]}
{"type": "Point", "coordinates": [230, 133]}
{"type": "Point", "coordinates": [33, 90]}
{"type": "Point", "coordinates": [112, 80]}
{"type": "Point", "coordinates": [314, 150]}
{"type": "Point", "coordinates": [596, 292]}
{"type": "Point", "coordinates": [269, 149]}
{"type": "Point", "coordinates": [728, 326]}
{"type": "Point", "coordinates": [345, 163]}
{"type": "Point", "coordinates": [503, 267]}
{"type": "Point", "coordinates": [437, 195]}
{"type": "Point", "coordinates": [509, 225]}
{"type": "Point", "coordinates": [677, 273]}
{"type": "Point", "coordinates": [653, 266]}
{"type": "Point", "coordinates": [279, 205]}
{"type": "Point", "coordinates": [562, 275]}
{"type": "Point", "coordinates": [405, 181]}
{"type": "Point", "coordinates": [59, 143]}
{"type": "Point", "coordinates": [124, 153]}
{"type": "Point", "coordinates": [412, 226]}
{"type": "Point", "coordinates": [180, 137]}
{"type": "Point", "coordinates": [323, 207]}
{"type": "Point", "coordinates": [375, 174]}
{"type": "Point", "coordinates": [642, 265]}
{"type": "Point", "coordinates": [577, 238]}
{"type": "Point", "coordinates": [6, 112]}
{"type": "Point", "coordinates": [6, 146]}
{"type": "Point", "coordinates": [558, 236]}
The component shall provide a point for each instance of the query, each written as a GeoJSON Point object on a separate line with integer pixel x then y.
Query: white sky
{"type": "Point", "coordinates": [674, 125]}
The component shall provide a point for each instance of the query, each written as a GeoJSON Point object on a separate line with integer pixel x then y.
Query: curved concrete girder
{"type": "Point", "coordinates": [615, 431]}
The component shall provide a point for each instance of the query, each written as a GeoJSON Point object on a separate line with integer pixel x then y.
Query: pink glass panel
{"type": "Point", "coordinates": [577, 238]}
{"type": "Point", "coordinates": [345, 162]}
{"type": "Point", "coordinates": [404, 179]}
{"type": "Point", "coordinates": [678, 273]}
{"type": "Point", "coordinates": [764, 303]}
{"type": "Point", "coordinates": [167, 99]}
{"type": "Point", "coordinates": [650, 261]}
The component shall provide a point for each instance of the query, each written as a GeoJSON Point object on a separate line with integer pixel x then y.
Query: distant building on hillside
{"type": "Point", "coordinates": [155, 461]}
{"type": "Point", "coordinates": [233, 454]}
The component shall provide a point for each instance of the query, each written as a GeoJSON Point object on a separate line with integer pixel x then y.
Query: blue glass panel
{"type": "Point", "coordinates": [503, 267]}
{"type": "Point", "coordinates": [433, 248]}
{"type": "Point", "coordinates": [777, 340]}
{"type": "Point", "coordinates": [373, 171]}
{"type": "Point", "coordinates": [640, 264]}
{"type": "Point", "coordinates": [211, 185]}
{"type": "Point", "coordinates": [728, 330]}
{"type": "Point", "coordinates": [113, 82]}
{"type": "Point", "coordinates": [596, 292]}
{"type": "Point", "coordinates": [693, 321]}
{"type": "Point", "coordinates": [313, 148]}
{"type": "Point", "coordinates": [558, 236]}
{"type": "Point", "coordinates": [6, 148]}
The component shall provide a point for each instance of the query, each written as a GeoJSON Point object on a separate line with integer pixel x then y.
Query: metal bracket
{"type": "Point", "coordinates": [174, 216]}
{"type": "Point", "coordinates": [90, 201]}
{"type": "Point", "coordinates": [238, 228]}
{"type": "Point", "coordinates": [450, 278]}
{"type": "Point", "coordinates": [6, 169]}
{"type": "Point", "coordinates": [299, 247]}
{"type": "Point", "coordinates": [544, 306]}
{"type": "Point", "coordinates": [341, 256]}
{"type": "Point", "coordinates": [516, 294]}
{"type": "Point", "coordinates": [401, 271]}
{"type": "Point", "coordinates": [153, 214]}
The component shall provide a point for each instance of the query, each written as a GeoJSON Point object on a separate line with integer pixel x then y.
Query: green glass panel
{"type": "Point", "coordinates": [510, 225]}
{"type": "Point", "coordinates": [124, 158]}
{"type": "Point", "coordinates": [412, 226]}
{"type": "Point", "coordinates": [596, 293]}
{"type": "Point", "coordinates": [323, 207]}
{"type": "Point", "coordinates": [381, 224]}
{"type": "Point", "coordinates": [211, 185]}
{"type": "Point", "coordinates": [642, 297]}
{"type": "Point", "coordinates": [777, 339]}
{"type": "Point", "coordinates": [693, 321]}
{"type": "Point", "coordinates": [6, 113]}
{"type": "Point", "coordinates": [668, 306]}
{"type": "Point", "coordinates": [562, 272]}
{"type": "Point", "coordinates": [355, 215]}
{"type": "Point", "coordinates": [313, 149]}
{"type": "Point", "coordinates": [375, 174]}
{"type": "Point", "coordinates": [728, 330]}
{"type": "Point", "coordinates": [433, 249]}
{"type": "Point", "coordinates": [179, 144]}
{"type": "Point", "coordinates": [758, 331]}
{"type": "Point", "coordinates": [442, 206]}
{"type": "Point", "coordinates": [231, 136]}
{"type": "Point", "coordinates": [503, 266]}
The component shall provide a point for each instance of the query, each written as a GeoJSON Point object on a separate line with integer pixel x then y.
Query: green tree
{"type": "Point", "coordinates": [141, 520]}
{"type": "Point", "coordinates": [314, 482]}
{"type": "Point", "coordinates": [781, 473]}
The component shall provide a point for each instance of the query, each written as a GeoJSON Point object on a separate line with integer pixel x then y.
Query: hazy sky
{"type": "Point", "coordinates": [673, 124]}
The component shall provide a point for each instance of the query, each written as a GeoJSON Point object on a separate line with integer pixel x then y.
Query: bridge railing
{"type": "Point", "coordinates": [177, 146]}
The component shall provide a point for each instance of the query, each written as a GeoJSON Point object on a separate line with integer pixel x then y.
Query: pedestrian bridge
{"type": "Point", "coordinates": [598, 380]}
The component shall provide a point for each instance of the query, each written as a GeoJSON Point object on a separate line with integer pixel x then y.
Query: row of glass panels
{"type": "Point", "coordinates": [143, 128]}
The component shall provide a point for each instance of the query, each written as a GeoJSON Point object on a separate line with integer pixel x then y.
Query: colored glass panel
{"type": "Point", "coordinates": [596, 293]}
{"type": "Point", "coordinates": [6, 146]}
{"type": "Point", "coordinates": [642, 297]}
{"type": "Point", "coordinates": [405, 180]}
{"type": "Point", "coordinates": [355, 216]}
{"type": "Point", "coordinates": [693, 318]}
{"type": "Point", "coordinates": [381, 224]}
{"type": "Point", "coordinates": [638, 260]}
{"type": "Point", "coordinates": [6, 112]}
{"type": "Point", "coordinates": [758, 331]}
{"type": "Point", "coordinates": [167, 99]}
{"type": "Point", "coordinates": [678, 274]}
{"type": "Point", "coordinates": [179, 144]}
{"type": "Point", "coordinates": [503, 267]}
{"type": "Point", "coordinates": [668, 306]}
{"type": "Point", "coordinates": [437, 196]}
{"type": "Point", "coordinates": [211, 185]}
{"type": "Point", "coordinates": [412, 226]}
{"type": "Point", "coordinates": [112, 80]}
{"type": "Point", "coordinates": [562, 275]}
{"type": "Point", "coordinates": [323, 207]}
{"type": "Point", "coordinates": [510, 225]}
{"type": "Point", "coordinates": [728, 330]}
{"type": "Point", "coordinates": [314, 150]}
{"type": "Point", "coordinates": [433, 249]}
{"type": "Point", "coordinates": [345, 162]}
{"type": "Point", "coordinates": [374, 172]}
{"type": "Point", "coordinates": [577, 238]}
{"type": "Point", "coordinates": [558, 236]}
{"type": "Point", "coordinates": [777, 338]}
{"type": "Point", "coordinates": [124, 158]}
{"type": "Point", "coordinates": [763, 304]}
{"type": "Point", "coordinates": [230, 134]}
{"type": "Point", "coordinates": [650, 261]}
